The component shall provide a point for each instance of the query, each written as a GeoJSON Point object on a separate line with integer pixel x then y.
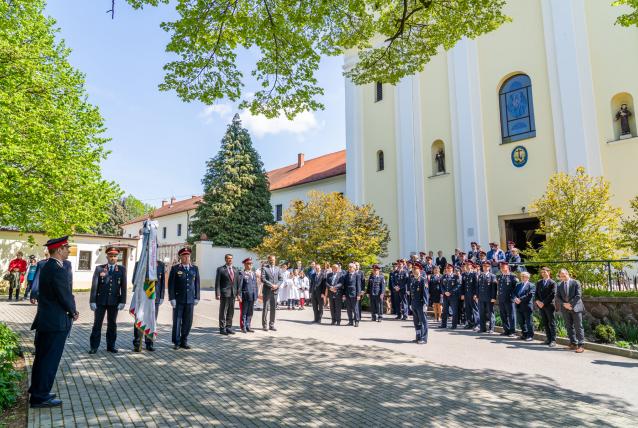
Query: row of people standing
{"type": "Point", "coordinates": [19, 272]}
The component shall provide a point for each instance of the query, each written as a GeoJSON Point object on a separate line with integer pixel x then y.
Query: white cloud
{"type": "Point", "coordinates": [260, 125]}
{"type": "Point", "coordinates": [221, 110]}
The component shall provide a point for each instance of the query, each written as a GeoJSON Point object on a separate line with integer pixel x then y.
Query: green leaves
{"type": "Point", "coordinates": [327, 228]}
{"type": "Point", "coordinates": [396, 38]}
{"type": "Point", "coordinates": [50, 136]}
{"type": "Point", "coordinates": [630, 18]}
{"type": "Point", "coordinates": [236, 203]}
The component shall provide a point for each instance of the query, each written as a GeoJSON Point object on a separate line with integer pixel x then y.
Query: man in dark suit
{"type": "Point", "coordinates": [351, 286]}
{"type": "Point", "coordinates": [227, 281]}
{"type": "Point", "coordinates": [335, 292]}
{"type": "Point", "coordinates": [108, 296]}
{"type": "Point", "coordinates": [318, 291]}
{"type": "Point", "coordinates": [160, 286]}
{"type": "Point", "coordinates": [271, 279]}
{"type": "Point", "coordinates": [524, 300]}
{"type": "Point", "coordinates": [569, 298]}
{"type": "Point", "coordinates": [183, 292]}
{"type": "Point", "coordinates": [440, 261]}
{"type": "Point", "coordinates": [248, 293]}
{"type": "Point", "coordinates": [545, 296]}
{"type": "Point", "coordinates": [52, 323]}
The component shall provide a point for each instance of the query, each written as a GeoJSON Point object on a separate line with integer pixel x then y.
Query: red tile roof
{"type": "Point", "coordinates": [170, 208]}
{"type": "Point", "coordinates": [326, 166]}
{"type": "Point", "coordinates": [320, 168]}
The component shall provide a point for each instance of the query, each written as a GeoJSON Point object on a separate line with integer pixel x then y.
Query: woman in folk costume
{"type": "Point", "coordinates": [282, 296]}
{"type": "Point", "coordinates": [293, 289]}
{"type": "Point", "coordinates": [304, 289]}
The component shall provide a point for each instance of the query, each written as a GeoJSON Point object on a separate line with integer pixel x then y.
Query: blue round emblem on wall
{"type": "Point", "coordinates": [519, 156]}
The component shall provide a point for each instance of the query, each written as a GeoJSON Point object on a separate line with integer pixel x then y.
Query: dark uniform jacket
{"type": "Point", "coordinates": [452, 284]}
{"type": "Point", "coordinates": [403, 280]}
{"type": "Point", "coordinates": [507, 287]}
{"type": "Point", "coordinates": [248, 286]}
{"type": "Point", "coordinates": [419, 291]}
{"type": "Point", "coordinates": [351, 284]}
{"type": "Point", "coordinates": [469, 283]}
{"type": "Point", "coordinates": [545, 291]}
{"type": "Point", "coordinates": [434, 287]}
{"type": "Point", "coordinates": [486, 286]}
{"type": "Point", "coordinates": [108, 288]}
{"type": "Point", "coordinates": [525, 291]}
{"type": "Point", "coordinates": [376, 285]}
{"type": "Point", "coordinates": [160, 285]}
{"type": "Point", "coordinates": [56, 304]}
{"type": "Point", "coordinates": [224, 285]}
{"type": "Point", "coordinates": [183, 284]}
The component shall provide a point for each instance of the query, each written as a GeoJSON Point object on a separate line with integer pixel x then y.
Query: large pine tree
{"type": "Point", "coordinates": [236, 204]}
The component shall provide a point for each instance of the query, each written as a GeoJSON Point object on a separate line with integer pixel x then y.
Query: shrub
{"type": "Point", "coordinates": [601, 292]}
{"type": "Point", "coordinates": [622, 344]}
{"type": "Point", "coordinates": [561, 330]}
{"type": "Point", "coordinates": [627, 331]}
{"type": "Point", "coordinates": [605, 333]}
{"type": "Point", "coordinates": [9, 377]}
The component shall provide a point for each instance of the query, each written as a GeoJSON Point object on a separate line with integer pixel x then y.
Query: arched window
{"type": "Point", "coordinates": [438, 158]}
{"type": "Point", "coordinates": [623, 116]}
{"type": "Point", "coordinates": [380, 161]}
{"type": "Point", "coordinates": [517, 109]}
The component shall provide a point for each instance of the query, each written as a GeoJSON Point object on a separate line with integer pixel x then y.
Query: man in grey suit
{"type": "Point", "coordinates": [570, 302]}
{"type": "Point", "coordinates": [271, 278]}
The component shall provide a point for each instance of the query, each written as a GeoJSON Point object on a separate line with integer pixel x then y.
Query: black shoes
{"type": "Point", "coordinates": [265, 328]}
{"type": "Point", "coordinates": [250, 330]}
{"type": "Point", "coordinates": [356, 324]}
{"type": "Point", "coordinates": [111, 350]}
{"type": "Point", "coordinates": [176, 347]}
{"type": "Point", "coordinates": [150, 348]}
{"type": "Point", "coordinates": [243, 330]}
{"type": "Point", "coordinates": [224, 332]}
{"type": "Point", "coordinates": [51, 402]}
{"type": "Point", "coordinates": [92, 351]}
{"type": "Point", "coordinates": [272, 328]}
{"type": "Point", "coordinates": [229, 331]}
{"type": "Point", "coordinates": [185, 346]}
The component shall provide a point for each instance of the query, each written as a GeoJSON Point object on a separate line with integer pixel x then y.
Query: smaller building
{"type": "Point", "coordinates": [87, 251]}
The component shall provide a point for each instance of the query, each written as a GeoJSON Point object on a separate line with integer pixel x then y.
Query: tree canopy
{"type": "Point", "coordinates": [630, 228]}
{"type": "Point", "coordinates": [236, 202]}
{"type": "Point", "coordinates": [631, 17]}
{"type": "Point", "coordinates": [395, 38]}
{"type": "Point", "coordinates": [121, 211]}
{"type": "Point", "coordinates": [51, 141]}
{"type": "Point", "coordinates": [328, 227]}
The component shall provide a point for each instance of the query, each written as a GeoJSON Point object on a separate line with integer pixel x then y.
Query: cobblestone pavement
{"type": "Point", "coordinates": [319, 375]}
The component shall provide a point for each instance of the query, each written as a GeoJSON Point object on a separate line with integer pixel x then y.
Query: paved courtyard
{"type": "Point", "coordinates": [319, 375]}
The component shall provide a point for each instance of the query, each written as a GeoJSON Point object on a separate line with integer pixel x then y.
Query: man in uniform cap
{"type": "Point", "coordinates": [506, 288]}
{"type": "Point", "coordinates": [247, 293]}
{"type": "Point", "coordinates": [403, 279]}
{"type": "Point", "coordinates": [419, 297]}
{"type": "Point", "coordinates": [108, 296]}
{"type": "Point", "coordinates": [469, 291]}
{"type": "Point", "coordinates": [52, 323]}
{"type": "Point", "coordinates": [376, 291]}
{"type": "Point", "coordinates": [227, 280]}
{"type": "Point", "coordinates": [451, 288]}
{"type": "Point", "coordinates": [486, 296]}
{"type": "Point", "coordinates": [183, 293]}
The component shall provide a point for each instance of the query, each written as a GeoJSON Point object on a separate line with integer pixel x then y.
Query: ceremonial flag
{"type": "Point", "coordinates": [144, 278]}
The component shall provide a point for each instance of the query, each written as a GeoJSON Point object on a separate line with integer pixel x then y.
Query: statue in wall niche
{"type": "Point", "coordinates": [440, 162]}
{"type": "Point", "coordinates": [623, 115]}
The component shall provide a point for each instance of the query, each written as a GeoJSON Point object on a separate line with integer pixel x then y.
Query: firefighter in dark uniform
{"type": "Point", "coordinates": [183, 292]}
{"type": "Point", "coordinates": [160, 287]}
{"type": "Point", "coordinates": [469, 291]}
{"type": "Point", "coordinates": [108, 296]}
{"type": "Point", "coordinates": [394, 290]}
{"type": "Point", "coordinates": [486, 296]}
{"type": "Point", "coordinates": [506, 294]}
{"type": "Point", "coordinates": [419, 295]}
{"type": "Point", "coordinates": [376, 290]}
{"type": "Point", "coordinates": [248, 293]}
{"type": "Point", "coordinates": [403, 279]}
{"type": "Point", "coordinates": [451, 288]}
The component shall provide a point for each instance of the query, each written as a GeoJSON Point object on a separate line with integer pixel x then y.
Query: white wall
{"type": "Point", "coordinates": [209, 258]}
{"type": "Point", "coordinates": [170, 222]}
{"type": "Point", "coordinates": [289, 194]}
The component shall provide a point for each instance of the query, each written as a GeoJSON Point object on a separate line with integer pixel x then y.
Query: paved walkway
{"type": "Point", "coordinates": [319, 375]}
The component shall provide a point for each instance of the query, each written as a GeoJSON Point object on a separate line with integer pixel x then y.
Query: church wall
{"type": "Point", "coordinates": [440, 222]}
{"type": "Point", "coordinates": [378, 134]}
{"type": "Point", "coordinates": [615, 70]}
{"type": "Point", "coordinates": [516, 47]}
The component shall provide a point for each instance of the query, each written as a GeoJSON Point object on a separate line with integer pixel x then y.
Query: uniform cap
{"type": "Point", "coordinates": [417, 264]}
{"type": "Point", "coordinates": [462, 253]}
{"type": "Point", "coordinates": [52, 244]}
{"type": "Point", "coordinates": [112, 251]}
{"type": "Point", "coordinates": [482, 253]}
{"type": "Point", "coordinates": [486, 263]}
{"type": "Point", "coordinates": [183, 251]}
{"type": "Point", "coordinates": [503, 264]}
{"type": "Point", "coordinates": [247, 260]}
{"type": "Point", "coordinates": [449, 265]}
{"type": "Point", "coordinates": [428, 258]}
{"type": "Point", "coordinates": [511, 242]}
{"type": "Point", "coordinates": [375, 266]}
{"type": "Point", "coordinates": [421, 253]}
{"type": "Point", "coordinates": [473, 243]}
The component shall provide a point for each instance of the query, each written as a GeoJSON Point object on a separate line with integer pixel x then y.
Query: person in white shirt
{"type": "Point", "coordinates": [293, 289]}
{"type": "Point", "coordinates": [304, 289]}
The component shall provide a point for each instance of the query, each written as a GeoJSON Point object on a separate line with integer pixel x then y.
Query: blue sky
{"type": "Point", "coordinates": [160, 144]}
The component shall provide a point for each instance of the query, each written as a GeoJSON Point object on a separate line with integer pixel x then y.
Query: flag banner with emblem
{"type": "Point", "coordinates": [144, 278]}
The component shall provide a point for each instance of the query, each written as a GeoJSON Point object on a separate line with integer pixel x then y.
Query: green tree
{"type": "Point", "coordinates": [327, 228]}
{"type": "Point", "coordinates": [631, 17]}
{"type": "Point", "coordinates": [395, 39]}
{"type": "Point", "coordinates": [579, 223]}
{"type": "Point", "coordinates": [121, 211]}
{"type": "Point", "coordinates": [236, 202]}
{"type": "Point", "coordinates": [50, 136]}
{"type": "Point", "coordinates": [630, 228]}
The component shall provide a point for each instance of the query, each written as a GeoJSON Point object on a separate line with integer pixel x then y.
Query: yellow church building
{"type": "Point", "coordinates": [458, 152]}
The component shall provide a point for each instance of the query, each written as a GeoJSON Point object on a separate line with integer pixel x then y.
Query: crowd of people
{"type": "Point", "coordinates": [462, 292]}
{"type": "Point", "coordinates": [21, 272]}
